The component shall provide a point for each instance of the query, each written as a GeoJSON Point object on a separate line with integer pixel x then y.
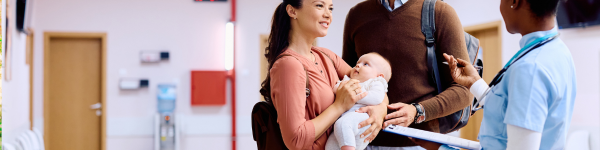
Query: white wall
{"type": "Point", "coordinates": [583, 43]}
{"type": "Point", "coordinates": [15, 93]}
{"type": "Point", "coordinates": [193, 32]}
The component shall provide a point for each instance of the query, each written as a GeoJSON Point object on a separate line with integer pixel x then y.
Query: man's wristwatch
{"type": "Point", "coordinates": [420, 116]}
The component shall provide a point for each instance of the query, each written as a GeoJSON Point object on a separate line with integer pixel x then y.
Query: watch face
{"type": "Point", "coordinates": [420, 119]}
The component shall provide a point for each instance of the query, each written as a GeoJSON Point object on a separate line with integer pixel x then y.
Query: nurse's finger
{"type": "Point", "coordinates": [463, 62]}
{"type": "Point", "coordinates": [451, 61]}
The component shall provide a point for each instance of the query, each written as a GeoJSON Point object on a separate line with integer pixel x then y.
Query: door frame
{"type": "Point", "coordinates": [495, 25]}
{"type": "Point", "coordinates": [102, 37]}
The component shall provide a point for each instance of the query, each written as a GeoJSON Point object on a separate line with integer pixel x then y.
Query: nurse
{"type": "Point", "coordinates": [529, 103]}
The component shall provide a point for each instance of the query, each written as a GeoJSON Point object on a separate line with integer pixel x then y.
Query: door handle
{"type": "Point", "coordinates": [97, 107]}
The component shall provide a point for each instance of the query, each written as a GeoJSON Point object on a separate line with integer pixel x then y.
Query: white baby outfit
{"type": "Point", "coordinates": [346, 131]}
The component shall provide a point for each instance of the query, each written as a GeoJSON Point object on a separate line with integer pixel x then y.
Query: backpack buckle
{"type": "Point", "coordinates": [430, 42]}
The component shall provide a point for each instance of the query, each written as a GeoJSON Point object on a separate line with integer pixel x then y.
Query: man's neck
{"type": "Point", "coordinates": [392, 3]}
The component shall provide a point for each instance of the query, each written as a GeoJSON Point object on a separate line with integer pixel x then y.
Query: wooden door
{"type": "Point", "coordinates": [490, 42]}
{"type": "Point", "coordinates": [264, 65]}
{"type": "Point", "coordinates": [73, 82]}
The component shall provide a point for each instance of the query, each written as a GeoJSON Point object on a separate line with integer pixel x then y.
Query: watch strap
{"type": "Point", "coordinates": [420, 116]}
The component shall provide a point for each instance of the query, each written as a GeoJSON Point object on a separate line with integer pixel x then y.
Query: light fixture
{"type": "Point", "coordinates": [229, 46]}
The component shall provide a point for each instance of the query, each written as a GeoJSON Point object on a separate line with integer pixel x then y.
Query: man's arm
{"type": "Point", "coordinates": [349, 50]}
{"type": "Point", "coordinates": [449, 39]}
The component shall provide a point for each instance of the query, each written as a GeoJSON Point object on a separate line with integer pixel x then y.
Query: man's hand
{"type": "Point", "coordinates": [404, 115]}
{"type": "Point", "coordinates": [426, 144]}
{"type": "Point", "coordinates": [376, 115]}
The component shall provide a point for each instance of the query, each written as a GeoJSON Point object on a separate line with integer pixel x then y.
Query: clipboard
{"type": "Point", "coordinates": [433, 137]}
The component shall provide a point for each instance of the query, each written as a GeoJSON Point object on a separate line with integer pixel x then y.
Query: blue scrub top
{"type": "Point", "coordinates": [537, 93]}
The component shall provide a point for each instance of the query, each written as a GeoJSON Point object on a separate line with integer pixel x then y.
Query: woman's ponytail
{"type": "Point", "coordinates": [278, 40]}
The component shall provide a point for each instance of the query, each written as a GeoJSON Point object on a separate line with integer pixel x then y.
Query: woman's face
{"type": "Point", "coordinates": [508, 14]}
{"type": "Point", "coordinates": [314, 17]}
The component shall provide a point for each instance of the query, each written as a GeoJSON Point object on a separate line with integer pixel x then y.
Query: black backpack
{"type": "Point", "coordinates": [265, 129]}
{"type": "Point", "coordinates": [460, 118]}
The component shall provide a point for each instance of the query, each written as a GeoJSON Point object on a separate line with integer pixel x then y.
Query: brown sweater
{"type": "Point", "coordinates": [397, 35]}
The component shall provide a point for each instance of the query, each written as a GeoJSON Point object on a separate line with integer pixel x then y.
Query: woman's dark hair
{"type": "Point", "coordinates": [278, 40]}
{"type": "Point", "coordinates": [543, 8]}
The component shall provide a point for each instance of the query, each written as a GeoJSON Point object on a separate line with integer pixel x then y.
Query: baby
{"type": "Point", "coordinates": [373, 71]}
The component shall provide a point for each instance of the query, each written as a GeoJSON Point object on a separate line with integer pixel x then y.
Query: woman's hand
{"type": "Point", "coordinates": [426, 144]}
{"type": "Point", "coordinates": [404, 115]}
{"type": "Point", "coordinates": [376, 115]}
{"type": "Point", "coordinates": [348, 94]}
{"type": "Point", "coordinates": [465, 76]}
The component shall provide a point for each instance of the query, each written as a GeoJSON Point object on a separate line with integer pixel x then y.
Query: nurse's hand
{"type": "Point", "coordinates": [465, 76]}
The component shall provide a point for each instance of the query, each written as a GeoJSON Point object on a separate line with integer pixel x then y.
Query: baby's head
{"type": "Point", "coordinates": [371, 65]}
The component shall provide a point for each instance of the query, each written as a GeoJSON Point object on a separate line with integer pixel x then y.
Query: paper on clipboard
{"type": "Point", "coordinates": [433, 137]}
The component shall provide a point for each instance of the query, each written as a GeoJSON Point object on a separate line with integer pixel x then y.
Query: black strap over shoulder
{"type": "Point", "coordinates": [428, 28]}
{"type": "Point", "coordinates": [457, 119]}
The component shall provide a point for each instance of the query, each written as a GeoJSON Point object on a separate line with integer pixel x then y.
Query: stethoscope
{"type": "Point", "coordinates": [524, 51]}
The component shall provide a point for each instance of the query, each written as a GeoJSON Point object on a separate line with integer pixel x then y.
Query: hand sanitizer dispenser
{"type": "Point", "coordinates": [166, 129]}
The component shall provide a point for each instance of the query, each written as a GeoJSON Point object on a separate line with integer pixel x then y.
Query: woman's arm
{"type": "Point", "coordinates": [345, 99]}
{"type": "Point", "coordinates": [288, 82]}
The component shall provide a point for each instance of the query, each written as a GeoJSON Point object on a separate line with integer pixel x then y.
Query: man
{"type": "Point", "coordinates": [392, 28]}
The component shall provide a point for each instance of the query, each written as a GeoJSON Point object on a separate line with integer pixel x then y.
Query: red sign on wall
{"type": "Point", "coordinates": [208, 88]}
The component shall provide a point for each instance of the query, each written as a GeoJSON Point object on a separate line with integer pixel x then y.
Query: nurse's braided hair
{"type": "Point", "coordinates": [543, 8]}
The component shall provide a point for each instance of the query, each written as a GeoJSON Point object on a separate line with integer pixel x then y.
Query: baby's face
{"type": "Point", "coordinates": [368, 66]}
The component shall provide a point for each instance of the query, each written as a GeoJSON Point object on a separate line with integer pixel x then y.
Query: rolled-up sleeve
{"type": "Point", "coordinates": [288, 83]}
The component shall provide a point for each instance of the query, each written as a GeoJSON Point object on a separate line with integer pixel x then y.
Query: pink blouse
{"type": "Point", "coordinates": [294, 109]}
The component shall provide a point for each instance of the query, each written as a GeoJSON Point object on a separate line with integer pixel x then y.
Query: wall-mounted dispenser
{"type": "Point", "coordinates": [153, 56]}
{"type": "Point", "coordinates": [166, 128]}
{"type": "Point", "coordinates": [133, 83]}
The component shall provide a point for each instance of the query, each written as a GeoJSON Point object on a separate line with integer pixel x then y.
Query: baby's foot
{"type": "Point", "coordinates": [347, 147]}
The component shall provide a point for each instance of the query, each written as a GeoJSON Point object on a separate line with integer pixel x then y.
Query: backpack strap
{"type": "Point", "coordinates": [307, 90]}
{"type": "Point", "coordinates": [428, 28]}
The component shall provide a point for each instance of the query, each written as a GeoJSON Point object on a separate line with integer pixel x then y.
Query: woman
{"type": "Point", "coordinates": [305, 117]}
{"type": "Point", "coordinates": [530, 102]}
